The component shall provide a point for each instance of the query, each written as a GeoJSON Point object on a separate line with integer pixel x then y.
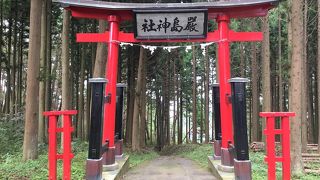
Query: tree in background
{"type": "Point", "coordinates": [295, 85]}
{"type": "Point", "coordinates": [30, 143]}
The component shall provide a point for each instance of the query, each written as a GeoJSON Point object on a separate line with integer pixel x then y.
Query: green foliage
{"type": "Point", "coordinates": [11, 164]}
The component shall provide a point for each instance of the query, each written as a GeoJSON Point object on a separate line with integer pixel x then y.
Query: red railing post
{"type": "Point", "coordinates": [67, 154]}
{"type": "Point", "coordinates": [270, 132]}
{"type": "Point", "coordinates": [52, 147]}
{"type": "Point", "coordinates": [285, 148]}
{"type": "Point", "coordinates": [270, 140]}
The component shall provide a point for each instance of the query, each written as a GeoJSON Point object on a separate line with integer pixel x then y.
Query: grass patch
{"type": "Point", "coordinates": [12, 166]}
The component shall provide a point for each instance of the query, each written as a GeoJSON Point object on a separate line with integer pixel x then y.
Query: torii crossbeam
{"type": "Point", "coordinates": [221, 11]}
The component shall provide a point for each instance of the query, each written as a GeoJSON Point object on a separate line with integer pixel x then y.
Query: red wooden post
{"type": "Point", "coordinates": [52, 147]}
{"type": "Point", "coordinates": [225, 89]}
{"type": "Point", "coordinates": [67, 155]}
{"type": "Point", "coordinates": [270, 132]}
{"type": "Point", "coordinates": [271, 153]}
{"type": "Point", "coordinates": [66, 130]}
{"type": "Point", "coordinates": [111, 89]}
{"type": "Point", "coordinates": [285, 148]}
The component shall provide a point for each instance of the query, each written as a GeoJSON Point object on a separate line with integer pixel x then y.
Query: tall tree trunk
{"type": "Point", "coordinates": [86, 123]}
{"type": "Point", "coordinates": [194, 97]}
{"type": "Point", "coordinates": [255, 90]}
{"type": "Point", "coordinates": [136, 124]}
{"type": "Point", "coordinates": [48, 92]}
{"type": "Point", "coordinates": [166, 102]}
{"type": "Point", "coordinates": [201, 110]}
{"type": "Point", "coordinates": [66, 87]}
{"type": "Point", "coordinates": [101, 55]}
{"type": "Point", "coordinates": [206, 95]}
{"type": "Point", "coordinates": [81, 95]}
{"type": "Point", "coordinates": [281, 94]}
{"type": "Point", "coordinates": [30, 143]}
{"type": "Point", "coordinates": [143, 105]}
{"type": "Point", "coordinates": [295, 89]}
{"type": "Point", "coordinates": [1, 53]}
{"type": "Point", "coordinates": [304, 83]}
{"type": "Point", "coordinates": [318, 76]}
{"type": "Point", "coordinates": [131, 94]}
{"type": "Point", "coordinates": [266, 84]}
{"type": "Point", "coordinates": [181, 112]}
{"type": "Point", "coordinates": [14, 107]}
{"type": "Point", "coordinates": [66, 101]}
{"type": "Point", "coordinates": [42, 85]}
{"type": "Point", "coordinates": [8, 93]}
{"type": "Point", "coordinates": [174, 104]}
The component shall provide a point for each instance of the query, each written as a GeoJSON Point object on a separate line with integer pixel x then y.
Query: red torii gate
{"type": "Point", "coordinates": [222, 12]}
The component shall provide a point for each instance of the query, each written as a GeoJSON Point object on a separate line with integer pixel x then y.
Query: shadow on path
{"type": "Point", "coordinates": [169, 168]}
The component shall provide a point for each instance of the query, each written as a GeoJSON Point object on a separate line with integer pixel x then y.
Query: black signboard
{"type": "Point", "coordinates": [173, 24]}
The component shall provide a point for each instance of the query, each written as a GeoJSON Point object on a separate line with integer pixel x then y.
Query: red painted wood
{"type": "Point", "coordinates": [270, 132]}
{"type": "Point", "coordinates": [129, 37]}
{"type": "Point", "coordinates": [52, 148]}
{"type": "Point", "coordinates": [234, 12]}
{"type": "Point", "coordinates": [67, 147]}
{"type": "Point", "coordinates": [67, 155]}
{"type": "Point", "coordinates": [276, 114]}
{"type": "Point", "coordinates": [245, 36]}
{"type": "Point", "coordinates": [285, 148]}
{"type": "Point", "coordinates": [59, 113]}
{"type": "Point", "coordinates": [224, 76]}
{"type": "Point", "coordinates": [111, 75]}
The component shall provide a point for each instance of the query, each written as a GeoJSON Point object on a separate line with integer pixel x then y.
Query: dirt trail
{"type": "Point", "coordinates": [169, 168]}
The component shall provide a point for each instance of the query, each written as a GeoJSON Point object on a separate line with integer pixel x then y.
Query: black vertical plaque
{"type": "Point", "coordinates": [217, 115]}
{"type": "Point", "coordinates": [95, 139]}
{"type": "Point", "coordinates": [238, 88]}
{"type": "Point", "coordinates": [119, 111]}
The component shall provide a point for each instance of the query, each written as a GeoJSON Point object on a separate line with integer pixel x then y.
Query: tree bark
{"type": "Point", "coordinates": [206, 89]}
{"type": "Point", "coordinates": [8, 93]}
{"type": "Point", "coordinates": [201, 110]}
{"type": "Point", "coordinates": [66, 101]}
{"type": "Point", "coordinates": [30, 143]}
{"type": "Point", "coordinates": [131, 64]}
{"type": "Point", "coordinates": [295, 89]}
{"type": "Point", "coordinates": [318, 75]}
{"type": "Point", "coordinates": [266, 84]}
{"type": "Point", "coordinates": [136, 124]}
{"type": "Point", "coordinates": [143, 105]}
{"type": "Point", "coordinates": [42, 85]}
{"type": "Point", "coordinates": [81, 95]}
{"type": "Point", "coordinates": [14, 108]}
{"type": "Point", "coordinates": [174, 104]}
{"type": "Point", "coordinates": [194, 97]}
{"type": "Point", "coordinates": [281, 94]}
{"type": "Point", "coordinates": [304, 84]}
{"type": "Point", "coordinates": [255, 90]}
{"type": "Point", "coordinates": [48, 93]}
{"type": "Point", "coordinates": [101, 55]}
{"type": "Point", "coordinates": [180, 111]}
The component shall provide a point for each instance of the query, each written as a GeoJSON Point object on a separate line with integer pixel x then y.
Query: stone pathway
{"type": "Point", "coordinates": [169, 168]}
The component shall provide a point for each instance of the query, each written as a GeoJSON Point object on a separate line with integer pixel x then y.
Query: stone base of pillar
{"type": "Point", "coordinates": [226, 160]}
{"type": "Point", "coordinates": [109, 162]}
{"type": "Point", "coordinates": [94, 169]}
{"type": "Point", "coordinates": [242, 170]}
{"type": "Point", "coordinates": [119, 148]}
{"type": "Point", "coordinates": [217, 149]}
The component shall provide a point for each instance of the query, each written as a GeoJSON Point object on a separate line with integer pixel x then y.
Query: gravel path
{"type": "Point", "coordinates": [169, 168]}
